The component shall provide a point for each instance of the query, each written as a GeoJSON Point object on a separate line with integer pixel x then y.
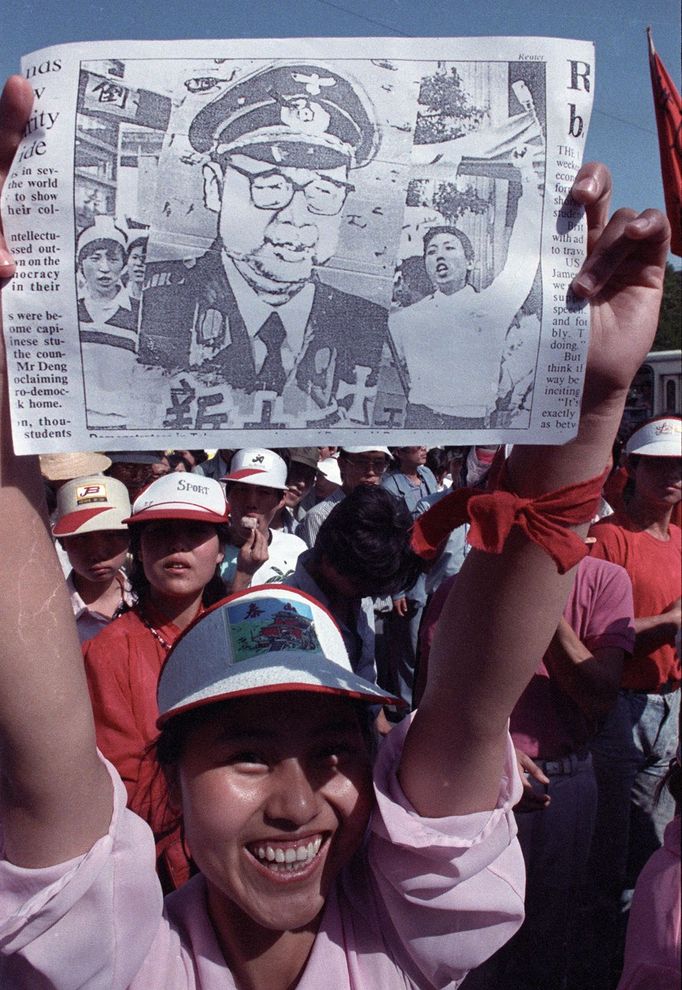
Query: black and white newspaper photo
{"type": "Point", "coordinates": [269, 242]}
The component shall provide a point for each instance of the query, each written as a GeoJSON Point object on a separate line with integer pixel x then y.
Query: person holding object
{"type": "Point", "coordinates": [458, 332]}
{"type": "Point", "coordinates": [309, 876]}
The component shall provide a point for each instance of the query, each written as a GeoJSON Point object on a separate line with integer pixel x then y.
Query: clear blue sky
{"type": "Point", "coordinates": [622, 131]}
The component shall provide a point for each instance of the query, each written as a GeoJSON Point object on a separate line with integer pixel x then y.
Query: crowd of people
{"type": "Point", "coordinates": [321, 690]}
{"type": "Point", "coordinates": [150, 540]}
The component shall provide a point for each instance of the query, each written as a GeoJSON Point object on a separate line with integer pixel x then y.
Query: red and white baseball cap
{"type": "Point", "coordinates": [660, 437]}
{"type": "Point", "coordinates": [181, 495]}
{"type": "Point", "coordinates": [258, 466]}
{"type": "Point", "coordinates": [261, 641]}
{"type": "Point", "coordinates": [91, 504]}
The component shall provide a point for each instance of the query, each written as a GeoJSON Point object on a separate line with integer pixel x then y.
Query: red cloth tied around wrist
{"type": "Point", "coordinates": [545, 520]}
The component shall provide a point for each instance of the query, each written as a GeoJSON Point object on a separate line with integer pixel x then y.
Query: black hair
{"type": "Point", "coordinates": [168, 747]}
{"type": "Point", "coordinates": [99, 245]}
{"type": "Point", "coordinates": [140, 241]}
{"type": "Point", "coordinates": [139, 583]}
{"type": "Point", "coordinates": [174, 459]}
{"type": "Point", "coordinates": [437, 461]}
{"type": "Point", "coordinates": [456, 232]}
{"type": "Point", "coordinates": [366, 538]}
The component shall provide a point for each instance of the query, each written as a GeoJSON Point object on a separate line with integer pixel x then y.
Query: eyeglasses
{"type": "Point", "coordinates": [272, 190]}
{"type": "Point", "coordinates": [378, 465]}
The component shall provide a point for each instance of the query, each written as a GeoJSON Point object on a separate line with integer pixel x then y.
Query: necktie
{"type": "Point", "coordinates": [272, 375]}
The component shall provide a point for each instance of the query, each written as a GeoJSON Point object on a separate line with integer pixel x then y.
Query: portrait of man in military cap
{"type": "Point", "coordinates": [279, 149]}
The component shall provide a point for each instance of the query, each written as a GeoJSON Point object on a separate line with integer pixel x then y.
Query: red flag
{"type": "Point", "coordinates": [669, 122]}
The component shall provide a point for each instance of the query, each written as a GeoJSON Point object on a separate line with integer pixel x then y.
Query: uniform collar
{"type": "Point", "coordinates": [294, 313]}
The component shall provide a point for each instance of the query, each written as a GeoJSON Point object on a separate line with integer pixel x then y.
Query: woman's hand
{"type": "Point", "coordinates": [622, 278]}
{"type": "Point", "coordinates": [15, 108]}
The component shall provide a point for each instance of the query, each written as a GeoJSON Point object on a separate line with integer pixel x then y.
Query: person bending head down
{"type": "Point", "coordinates": [362, 549]}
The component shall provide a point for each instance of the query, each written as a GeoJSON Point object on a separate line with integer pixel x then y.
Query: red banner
{"type": "Point", "coordinates": [669, 122]}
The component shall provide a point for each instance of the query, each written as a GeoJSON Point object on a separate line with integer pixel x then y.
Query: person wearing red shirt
{"type": "Point", "coordinates": [177, 538]}
{"type": "Point", "coordinates": [639, 738]}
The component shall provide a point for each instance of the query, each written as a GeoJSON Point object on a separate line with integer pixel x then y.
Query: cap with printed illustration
{"type": "Point", "coordinates": [660, 437]}
{"type": "Point", "coordinates": [261, 641]}
{"type": "Point", "coordinates": [258, 466]}
{"type": "Point", "coordinates": [90, 504]}
{"type": "Point", "coordinates": [180, 495]}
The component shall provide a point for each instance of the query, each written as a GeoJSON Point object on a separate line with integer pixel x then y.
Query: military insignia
{"type": "Point", "coordinates": [305, 116]}
{"type": "Point", "coordinates": [314, 83]}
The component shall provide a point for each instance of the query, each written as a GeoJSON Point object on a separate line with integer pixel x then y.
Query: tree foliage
{"type": "Point", "coordinates": [668, 335]}
{"type": "Point", "coordinates": [445, 111]}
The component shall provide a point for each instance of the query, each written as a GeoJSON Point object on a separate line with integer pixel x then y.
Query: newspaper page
{"type": "Point", "coordinates": [235, 243]}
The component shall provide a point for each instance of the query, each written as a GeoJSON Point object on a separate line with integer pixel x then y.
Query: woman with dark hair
{"type": "Point", "coordinates": [177, 532]}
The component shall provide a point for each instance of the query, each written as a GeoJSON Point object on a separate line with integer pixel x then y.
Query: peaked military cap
{"type": "Point", "coordinates": [302, 115]}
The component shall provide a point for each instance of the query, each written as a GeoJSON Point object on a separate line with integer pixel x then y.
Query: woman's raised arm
{"type": "Point", "coordinates": [504, 608]}
{"type": "Point", "coordinates": [56, 797]}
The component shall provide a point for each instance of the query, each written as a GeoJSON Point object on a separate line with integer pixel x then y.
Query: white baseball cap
{"type": "Point", "coordinates": [660, 437]}
{"type": "Point", "coordinates": [90, 504]}
{"type": "Point", "coordinates": [264, 640]}
{"type": "Point", "coordinates": [258, 466]}
{"type": "Point", "coordinates": [368, 450]}
{"type": "Point", "coordinates": [329, 467]}
{"type": "Point", "coordinates": [103, 229]}
{"type": "Point", "coordinates": [181, 495]}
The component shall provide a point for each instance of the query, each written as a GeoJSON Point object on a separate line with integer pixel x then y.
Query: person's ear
{"type": "Point", "coordinates": [213, 186]}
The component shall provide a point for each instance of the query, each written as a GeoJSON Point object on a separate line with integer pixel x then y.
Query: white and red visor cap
{"type": "Point", "coordinates": [181, 495]}
{"type": "Point", "coordinates": [258, 466]}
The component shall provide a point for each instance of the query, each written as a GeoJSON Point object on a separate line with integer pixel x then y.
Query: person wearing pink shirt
{"type": "Point", "coordinates": [654, 934]}
{"type": "Point", "coordinates": [310, 875]}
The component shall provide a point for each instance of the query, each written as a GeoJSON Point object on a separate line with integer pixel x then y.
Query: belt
{"type": "Point", "coordinates": [565, 765]}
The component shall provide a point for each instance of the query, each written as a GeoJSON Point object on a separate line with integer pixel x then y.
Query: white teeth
{"type": "Point", "coordinates": [291, 857]}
